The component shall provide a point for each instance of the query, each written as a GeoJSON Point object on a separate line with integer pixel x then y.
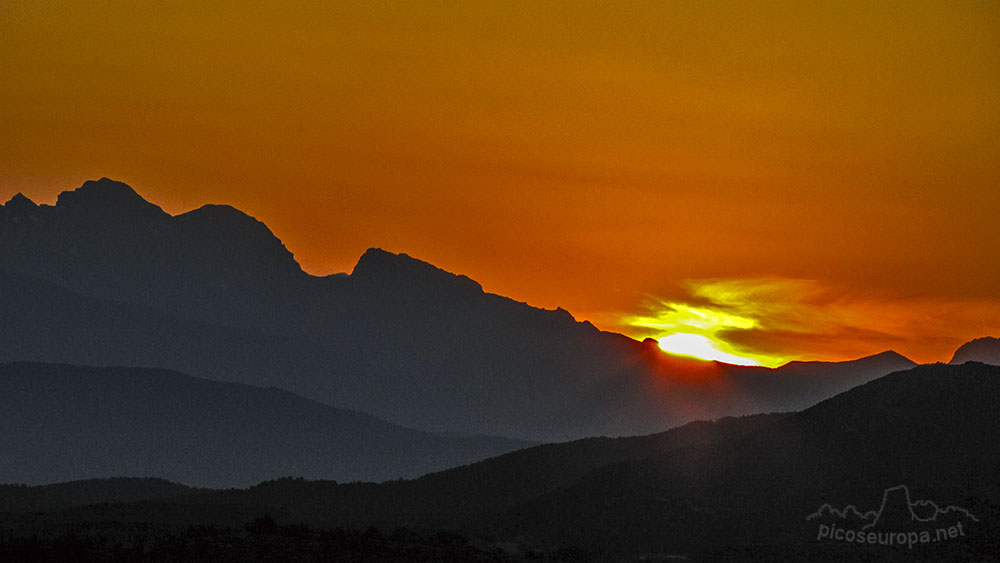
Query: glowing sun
{"type": "Point", "coordinates": [700, 347]}
{"type": "Point", "coordinates": [717, 321]}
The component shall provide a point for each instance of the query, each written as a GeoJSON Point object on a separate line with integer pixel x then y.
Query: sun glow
{"type": "Point", "coordinates": [700, 332]}
{"type": "Point", "coordinates": [700, 347]}
{"type": "Point", "coordinates": [720, 314]}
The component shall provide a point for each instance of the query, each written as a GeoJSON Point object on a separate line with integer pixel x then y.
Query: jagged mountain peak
{"type": "Point", "coordinates": [377, 266]}
{"type": "Point", "coordinates": [241, 236]}
{"type": "Point", "coordinates": [18, 207]}
{"type": "Point", "coordinates": [20, 202]}
{"type": "Point", "coordinates": [107, 194]}
{"type": "Point", "coordinates": [225, 218]}
{"type": "Point", "coordinates": [220, 211]}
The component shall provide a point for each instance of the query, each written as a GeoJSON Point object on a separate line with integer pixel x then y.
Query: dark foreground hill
{"type": "Point", "coordinates": [21, 497]}
{"type": "Point", "coordinates": [106, 278]}
{"type": "Point", "coordinates": [750, 489]}
{"type": "Point", "coordinates": [65, 422]}
{"type": "Point", "coordinates": [929, 428]}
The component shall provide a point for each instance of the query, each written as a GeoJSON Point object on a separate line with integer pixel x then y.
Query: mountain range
{"type": "Point", "coordinates": [734, 489]}
{"type": "Point", "coordinates": [150, 362]}
{"type": "Point", "coordinates": [106, 278]}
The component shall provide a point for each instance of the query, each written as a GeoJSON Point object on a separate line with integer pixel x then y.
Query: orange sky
{"type": "Point", "coordinates": [837, 162]}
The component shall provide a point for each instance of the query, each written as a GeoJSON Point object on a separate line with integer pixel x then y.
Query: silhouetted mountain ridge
{"type": "Point", "coordinates": [20, 206]}
{"type": "Point", "coordinates": [387, 271]}
{"type": "Point", "coordinates": [398, 337]}
{"type": "Point", "coordinates": [104, 195]}
{"type": "Point", "coordinates": [236, 239]}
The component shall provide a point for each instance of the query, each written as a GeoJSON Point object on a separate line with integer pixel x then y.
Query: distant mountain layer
{"type": "Point", "coordinates": [736, 489]}
{"type": "Point", "coordinates": [66, 423]}
{"type": "Point", "coordinates": [984, 350]}
{"type": "Point", "coordinates": [106, 278]}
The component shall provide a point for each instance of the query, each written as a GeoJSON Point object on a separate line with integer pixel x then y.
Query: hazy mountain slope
{"type": "Point", "coordinates": [985, 350]}
{"type": "Point", "coordinates": [66, 423]}
{"type": "Point", "coordinates": [799, 385]}
{"type": "Point", "coordinates": [398, 338]}
{"type": "Point", "coordinates": [45, 322]}
{"type": "Point", "coordinates": [48, 323]}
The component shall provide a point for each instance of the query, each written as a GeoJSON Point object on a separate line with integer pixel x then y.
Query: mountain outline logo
{"type": "Point", "coordinates": [899, 520]}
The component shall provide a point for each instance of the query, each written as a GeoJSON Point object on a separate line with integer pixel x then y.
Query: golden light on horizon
{"type": "Point", "coordinates": [701, 347]}
{"type": "Point", "coordinates": [771, 321]}
{"type": "Point", "coordinates": [700, 332]}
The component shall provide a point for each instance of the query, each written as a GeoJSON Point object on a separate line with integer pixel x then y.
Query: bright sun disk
{"type": "Point", "coordinates": [701, 347]}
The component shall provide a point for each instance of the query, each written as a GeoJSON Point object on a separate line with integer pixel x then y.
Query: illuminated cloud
{"type": "Point", "coordinates": [770, 321]}
{"type": "Point", "coordinates": [719, 308]}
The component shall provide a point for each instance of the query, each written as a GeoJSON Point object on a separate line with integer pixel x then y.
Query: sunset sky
{"type": "Point", "coordinates": [780, 179]}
